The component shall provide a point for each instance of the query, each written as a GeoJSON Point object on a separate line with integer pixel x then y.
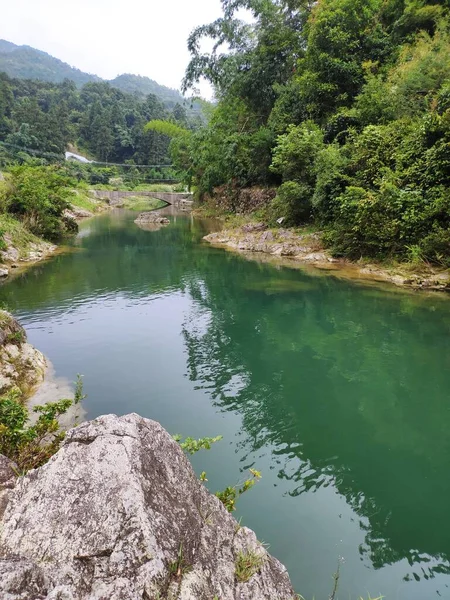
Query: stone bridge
{"type": "Point", "coordinates": [114, 197]}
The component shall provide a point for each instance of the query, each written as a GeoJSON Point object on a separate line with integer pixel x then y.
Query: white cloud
{"type": "Point", "coordinates": [109, 37]}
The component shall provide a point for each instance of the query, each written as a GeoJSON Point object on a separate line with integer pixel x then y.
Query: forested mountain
{"type": "Point", "coordinates": [106, 123]}
{"type": "Point", "coordinates": [24, 62]}
{"type": "Point", "coordinates": [136, 84]}
{"type": "Point", "coordinates": [344, 105]}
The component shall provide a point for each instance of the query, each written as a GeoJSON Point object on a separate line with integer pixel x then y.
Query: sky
{"type": "Point", "coordinates": [110, 37]}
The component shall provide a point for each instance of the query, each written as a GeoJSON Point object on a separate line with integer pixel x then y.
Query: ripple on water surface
{"type": "Point", "coordinates": [337, 393]}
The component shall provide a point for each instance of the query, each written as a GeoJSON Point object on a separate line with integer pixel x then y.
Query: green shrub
{"type": "Point", "coordinates": [30, 445]}
{"type": "Point", "coordinates": [292, 204]}
{"type": "Point", "coordinates": [38, 196]}
{"type": "Point", "coordinates": [390, 221]}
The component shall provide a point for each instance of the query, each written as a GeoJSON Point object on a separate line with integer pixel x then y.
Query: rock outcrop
{"type": "Point", "coordinates": [255, 237]}
{"type": "Point", "coordinates": [34, 252]}
{"type": "Point", "coordinates": [151, 221]}
{"type": "Point", "coordinates": [307, 248]}
{"type": "Point", "coordinates": [21, 365]}
{"type": "Point", "coordinates": [152, 217]}
{"type": "Point", "coordinates": [75, 213]}
{"type": "Point", "coordinates": [8, 476]}
{"type": "Point", "coordinates": [118, 514]}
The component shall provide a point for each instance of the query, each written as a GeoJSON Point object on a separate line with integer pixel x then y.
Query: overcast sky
{"type": "Point", "coordinates": [109, 37]}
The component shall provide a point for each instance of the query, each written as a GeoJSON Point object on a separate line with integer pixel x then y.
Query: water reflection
{"type": "Point", "coordinates": [341, 390]}
{"type": "Point", "coordinates": [349, 389]}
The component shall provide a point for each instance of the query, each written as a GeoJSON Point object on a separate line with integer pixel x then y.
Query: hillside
{"type": "Point", "coordinates": [137, 84]}
{"type": "Point", "coordinates": [24, 62]}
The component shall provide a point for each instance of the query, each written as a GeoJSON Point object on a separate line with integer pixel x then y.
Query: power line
{"type": "Point", "coordinates": [90, 162]}
{"type": "Point", "coordinates": [95, 162]}
{"type": "Point", "coordinates": [32, 151]}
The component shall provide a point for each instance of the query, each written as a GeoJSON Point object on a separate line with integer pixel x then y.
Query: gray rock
{"type": "Point", "coordinates": [119, 514]}
{"type": "Point", "coordinates": [21, 364]}
{"type": "Point", "coordinates": [4, 272]}
{"type": "Point", "coordinates": [77, 213]}
{"type": "Point", "coordinates": [251, 227]}
{"type": "Point", "coordinates": [21, 579]}
{"type": "Point", "coordinates": [8, 476]}
{"type": "Point", "coordinates": [7, 472]}
{"type": "Point", "coordinates": [152, 217]}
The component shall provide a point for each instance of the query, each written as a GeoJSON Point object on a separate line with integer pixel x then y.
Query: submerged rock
{"type": "Point", "coordinates": [119, 514]}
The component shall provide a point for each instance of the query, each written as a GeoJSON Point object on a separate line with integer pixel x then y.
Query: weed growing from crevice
{"type": "Point", "coordinates": [247, 564]}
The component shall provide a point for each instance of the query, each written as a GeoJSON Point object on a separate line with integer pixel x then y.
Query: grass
{"type": "Point", "coordinates": [20, 237]}
{"type": "Point", "coordinates": [142, 203]}
{"type": "Point", "coordinates": [180, 566]}
{"type": "Point", "coordinates": [81, 199]}
{"type": "Point", "coordinates": [248, 564]}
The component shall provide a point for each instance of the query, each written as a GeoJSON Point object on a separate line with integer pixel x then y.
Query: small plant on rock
{"type": "Point", "coordinates": [191, 445]}
{"type": "Point", "coordinates": [30, 445]}
{"type": "Point", "coordinates": [180, 566]}
{"type": "Point", "coordinates": [248, 563]}
{"type": "Point", "coordinates": [231, 493]}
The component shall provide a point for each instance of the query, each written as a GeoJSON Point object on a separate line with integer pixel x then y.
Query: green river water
{"type": "Point", "coordinates": [337, 392]}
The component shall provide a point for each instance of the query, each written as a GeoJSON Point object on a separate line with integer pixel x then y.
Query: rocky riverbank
{"type": "Point", "coordinates": [21, 251]}
{"type": "Point", "coordinates": [119, 514]}
{"type": "Point", "coordinates": [21, 365]}
{"type": "Point", "coordinates": [306, 247]}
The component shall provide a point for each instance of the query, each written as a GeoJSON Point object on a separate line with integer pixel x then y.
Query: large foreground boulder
{"type": "Point", "coordinates": [118, 514]}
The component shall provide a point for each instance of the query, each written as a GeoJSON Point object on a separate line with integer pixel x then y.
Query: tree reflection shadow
{"type": "Point", "coordinates": [350, 388]}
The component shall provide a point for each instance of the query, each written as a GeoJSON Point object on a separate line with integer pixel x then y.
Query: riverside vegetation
{"type": "Point", "coordinates": [341, 106]}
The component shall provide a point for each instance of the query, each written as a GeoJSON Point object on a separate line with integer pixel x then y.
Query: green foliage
{"type": "Point", "coordinates": [355, 132]}
{"type": "Point", "coordinates": [230, 494]}
{"type": "Point", "coordinates": [30, 443]}
{"type": "Point", "coordinates": [191, 446]}
{"type": "Point", "coordinates": [41, 119]}
{"type": "Point", "coordinates": [292, 204]}
{"type": "Point", "coordinates": [38, 197]}
{"type": "Point", "coordinates": [248, 563]}
{"type": "Point", "coordinates": [167, 128]}
{"type": "Point", "coordinates": [180, 566]}
{"type": "Point", "coordinates": [17, 337]}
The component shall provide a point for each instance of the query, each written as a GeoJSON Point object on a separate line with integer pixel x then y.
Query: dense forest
{"type": "Point", "coordinates": [344, 106]}
{"type": "Point", "coordinates": [40, 120]}
{"type": "Point", "coordinates": [341, 106]}
{"type": "Point", "coordinates": [25, 62]}
{"type": "Point", "coordinates": [102, 121]}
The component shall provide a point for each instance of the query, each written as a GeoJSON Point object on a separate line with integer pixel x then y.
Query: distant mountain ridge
{"type": "Point", "coordinates": [25, 62]}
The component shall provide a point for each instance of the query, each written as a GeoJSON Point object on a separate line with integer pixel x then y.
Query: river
{"type": "Point", "coordinates": [337, 392]}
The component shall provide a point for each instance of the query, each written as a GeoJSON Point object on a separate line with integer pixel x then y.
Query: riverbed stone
{"type": "Point", "coordinates": [152, 217]}
{"type": "Point", "coordinates": [119, 514]}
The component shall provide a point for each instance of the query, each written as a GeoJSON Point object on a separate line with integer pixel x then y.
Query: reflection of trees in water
{"type": "Point", "coordinates": [115, 256]}
{"type": "Point", "coordinates": [348, 385]}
